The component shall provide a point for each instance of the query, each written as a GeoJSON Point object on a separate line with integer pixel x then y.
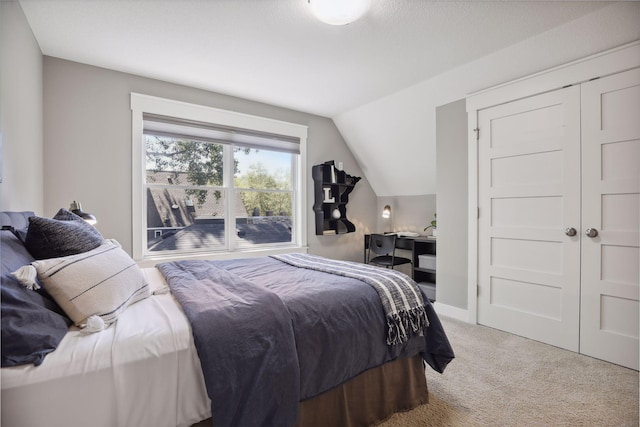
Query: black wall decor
{"type": "Point", "coordinates": [332, 188]}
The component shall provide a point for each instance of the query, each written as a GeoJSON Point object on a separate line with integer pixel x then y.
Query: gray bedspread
{"type": "Point", "coordinates": [269, 334]}
{"type": "Point", "coordinates": [399, 294]}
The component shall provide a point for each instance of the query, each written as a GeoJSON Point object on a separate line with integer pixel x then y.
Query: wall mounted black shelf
{"type": "Point", "coordinates": [332, 188]}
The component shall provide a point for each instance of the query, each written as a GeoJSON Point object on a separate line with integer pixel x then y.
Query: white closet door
{"type": "Point", "coordinates": [529, 192]}
{"type": "Point", "coordinates": [611, 206]}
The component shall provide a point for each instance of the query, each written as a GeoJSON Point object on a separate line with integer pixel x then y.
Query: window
{"type": "Point", "coordinates": [214, 181]}
{"type": "Point", "coordinates": [262, 181]}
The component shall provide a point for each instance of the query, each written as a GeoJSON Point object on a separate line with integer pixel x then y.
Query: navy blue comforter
{"type": "Point", "coordinates": [270, 335]}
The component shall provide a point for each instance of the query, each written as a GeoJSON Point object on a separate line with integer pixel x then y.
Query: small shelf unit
{"type": "Point", "coordinates": [331, 189]}
{"type": "Point", "coordinates": [425, 276]}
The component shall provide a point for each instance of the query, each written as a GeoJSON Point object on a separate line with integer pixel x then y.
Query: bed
{"type": "Point", "coordinates": [145, 368]}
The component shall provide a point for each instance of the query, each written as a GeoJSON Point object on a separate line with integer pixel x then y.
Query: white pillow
{"type": "Point", "coordinates": [102, 282]}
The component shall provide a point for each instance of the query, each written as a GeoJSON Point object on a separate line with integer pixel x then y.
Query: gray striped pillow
{"type": "Point", "coordinates": [102, 282]}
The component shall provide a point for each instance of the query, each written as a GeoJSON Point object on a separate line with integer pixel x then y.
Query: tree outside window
{"type": "Point", "coordinates": [187, 197]}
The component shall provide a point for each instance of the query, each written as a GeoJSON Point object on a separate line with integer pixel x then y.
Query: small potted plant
{"type": "Point", "coordinates": [433, 225]}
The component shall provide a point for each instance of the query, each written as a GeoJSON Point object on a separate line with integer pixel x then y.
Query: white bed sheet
{"type": "Point", "coordinates": [141, 371]}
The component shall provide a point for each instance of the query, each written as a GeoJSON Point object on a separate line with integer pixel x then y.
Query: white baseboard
{"type": "Point", "coordinates": [451, 311]}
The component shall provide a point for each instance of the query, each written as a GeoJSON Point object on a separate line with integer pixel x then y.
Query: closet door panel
{"type": "Point", "coordinates": [529, 192]}
{"type": "Point", "coordinates": [611, 205]}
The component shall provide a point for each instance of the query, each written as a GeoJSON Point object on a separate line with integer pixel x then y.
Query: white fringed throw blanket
{"type": "Point", "coordinates": [400, 296]}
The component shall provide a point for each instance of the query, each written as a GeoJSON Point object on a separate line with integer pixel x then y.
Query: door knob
{"type": "Point", "coordinates": [591, 232]}
{"type": "Point", "coordinates": [570, 231]}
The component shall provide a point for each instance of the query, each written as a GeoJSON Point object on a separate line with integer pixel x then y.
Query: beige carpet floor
{"type": "Point", "coordinates": [499, 379]}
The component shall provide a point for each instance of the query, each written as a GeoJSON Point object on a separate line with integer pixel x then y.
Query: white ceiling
{"type": "Point", "coordinates": [275, 51]}
{"type": "Point", "coordinates": [380, 79]}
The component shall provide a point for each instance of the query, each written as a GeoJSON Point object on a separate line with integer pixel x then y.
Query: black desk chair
{"type": "Point", "coordinates": [384, 247]}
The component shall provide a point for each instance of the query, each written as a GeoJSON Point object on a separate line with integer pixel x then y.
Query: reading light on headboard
{"type": "Point", "coordinates": [76, 208]}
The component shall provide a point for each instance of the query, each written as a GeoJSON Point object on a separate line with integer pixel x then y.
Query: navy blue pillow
{"type": "Point", "coordinates": [32, 323]}
{"type": "Point", "coordinates": [66, 234]}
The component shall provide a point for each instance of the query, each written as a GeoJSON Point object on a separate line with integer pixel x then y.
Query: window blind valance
{"type": "Point", "coordinates": [163, 126]}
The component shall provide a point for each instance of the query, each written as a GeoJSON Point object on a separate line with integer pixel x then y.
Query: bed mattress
{"type": "Point", "coordinates": [142, 371]}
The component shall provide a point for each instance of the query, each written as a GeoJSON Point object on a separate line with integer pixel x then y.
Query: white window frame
{"type": "Point", "coordinates": [141, 104]}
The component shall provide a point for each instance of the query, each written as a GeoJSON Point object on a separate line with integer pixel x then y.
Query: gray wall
{"type": "Point", "coordinates": [408, 213]}
{"type": "Point", "coordinates": [87, 149]}
{"type": "Point", "coordinates": [452, 193]}
{"type": "Point", "coordinates": [20, 113]}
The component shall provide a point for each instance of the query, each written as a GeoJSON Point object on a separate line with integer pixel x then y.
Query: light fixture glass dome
{"type": "Point", "coordinates": [339, 12]}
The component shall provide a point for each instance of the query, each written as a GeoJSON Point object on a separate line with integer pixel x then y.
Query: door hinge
{"type": "Point", "coordinates": [477, 290]}
{"type": "Point", "coordinates": [477, 131]}
{"type": "Point", "coordinates": [478, 215]}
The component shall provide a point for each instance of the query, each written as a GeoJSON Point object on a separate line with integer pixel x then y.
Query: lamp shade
{"type": "Point", "coordinates": [339, 12]}
{"type": "Point", "coordinates": [386, 212]}
{"type": "Point", "coordinates": [76, 208]}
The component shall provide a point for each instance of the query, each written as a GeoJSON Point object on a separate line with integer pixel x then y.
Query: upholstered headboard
{"type": "Point", "coordinates": [16, 220]}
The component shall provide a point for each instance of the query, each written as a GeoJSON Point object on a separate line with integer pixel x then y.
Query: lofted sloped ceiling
{"type": "Point", "coordinates": [276, 52]}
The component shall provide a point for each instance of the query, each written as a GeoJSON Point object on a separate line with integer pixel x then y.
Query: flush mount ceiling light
{"type": "Point", "coordinates": [339, 12]}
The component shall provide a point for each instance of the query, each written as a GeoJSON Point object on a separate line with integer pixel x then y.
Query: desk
{"type": "Point", "coordinates": [425, 277]}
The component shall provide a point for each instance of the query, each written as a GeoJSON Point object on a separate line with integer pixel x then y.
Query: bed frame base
{"type": "Point", "coordinates": [369, 398]}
